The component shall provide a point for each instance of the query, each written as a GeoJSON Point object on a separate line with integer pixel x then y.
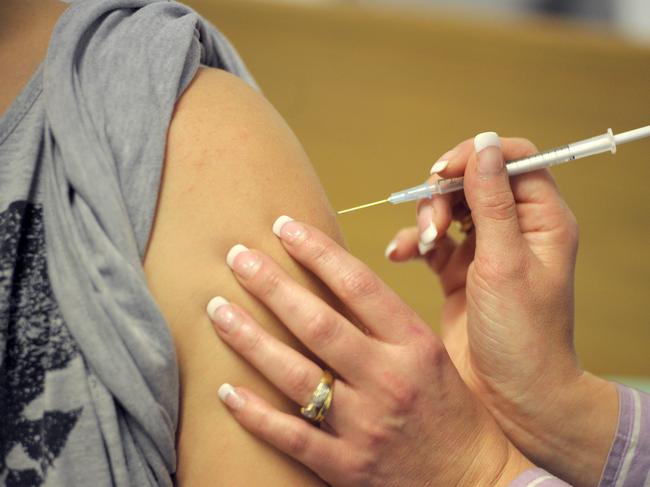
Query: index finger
{"type": "Point", "coordinates": [377, 306]}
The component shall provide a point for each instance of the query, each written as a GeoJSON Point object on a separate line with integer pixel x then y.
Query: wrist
{"type": "Point", "coordinates": [496, 462]}
{"type": "Point", "coordinates": [515, 465]}
{"type": "Point", "coordinates": [567, 430]}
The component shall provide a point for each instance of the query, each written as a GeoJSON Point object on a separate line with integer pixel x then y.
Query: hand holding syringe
{"type": "Point", "coordinates": [577, 150]}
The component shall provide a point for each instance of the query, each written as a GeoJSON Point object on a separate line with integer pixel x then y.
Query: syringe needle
{"type": "Point", "coordinates": [361, 207]}
{"type": "Point", "coordinates": [606, 142]}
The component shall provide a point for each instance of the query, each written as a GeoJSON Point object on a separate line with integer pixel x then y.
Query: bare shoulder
{"type": "Point", "coordinates": [228, 145]}
{"type": "Point", "coordinates": [232, 166]}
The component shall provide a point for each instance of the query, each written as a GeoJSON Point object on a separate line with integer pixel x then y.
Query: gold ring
{"type": "Point", "coordinates": [321, 399]}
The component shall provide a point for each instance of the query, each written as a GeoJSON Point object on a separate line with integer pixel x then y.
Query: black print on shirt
{"type": "Point", "coordinates": [33, 341]}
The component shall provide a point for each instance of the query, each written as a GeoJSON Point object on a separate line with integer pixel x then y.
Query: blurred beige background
{"type": "Point", "coordinates": [376, 96]}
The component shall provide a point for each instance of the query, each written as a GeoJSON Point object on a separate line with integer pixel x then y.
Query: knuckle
{"type": "Point", "coordinates": [319, 250]}
{"type": "Point", "coordinates": [432, 353]}
{"type": "Point", "coordinates": [323, 328]}
{"type": "Point", "coordinates": [496, 269]}
{"type": "Point", "coordinates": [299, 380]}
{"type": "Point", "coordinates": [498, 205]}
{"type": "Point", "coordinates": [262, 423]}
{"type": "Point", "coordinates": [359, 283]}
{"type": "Point", "coordinates": [296, 441]}
{"type": "Point", "coordinates": [376, 436]}
{"type": "Point", "coordinates": [269, 283]}
{"type": "Point", "coordinates": [253, 340]}
{"type": "Point", "coordinates": [404, 398]}
{"type": "Point", "coordinates": [401, 395]}
{"type": "Point", "coordinates": [361, 467]}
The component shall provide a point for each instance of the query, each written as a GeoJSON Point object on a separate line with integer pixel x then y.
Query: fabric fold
{"type": "Point", "coordinates": [113, 73]}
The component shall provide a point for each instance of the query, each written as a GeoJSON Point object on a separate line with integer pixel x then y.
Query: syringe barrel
{"type": "Point", "coordinates": [559, 155]}
{"type": "Point", "coordinates": [410, 194]}
{"type": "Point", "coordinates": [540, 161]}
{"type": "Point", "coordinates": [449, 185]}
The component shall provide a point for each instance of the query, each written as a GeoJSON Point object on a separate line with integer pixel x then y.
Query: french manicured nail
{"type": "Point", "coordinates": [392, 246]}
{"type": "Point", "coordinates": [427, 240]}
{"type": "Point", "coordinates": [439, 166]}
{"type": "Point", "coordinates": [243, 261]}
{"type": "Point", "coordinates": [229, 396]}
{"type": "Point", "coordinates": [214, 304]}
{"type": "Point", "coordinates": [290, 230]}
{"type": "Point", "coordinates": [442, 163]}
{"type": "Point", "coordinates": [225, 317]}
{"type": "Point", "coordinates": [279, 223]}
{"type": "Point", "coordinates": [490, 162]}
{"type": "Point", "coordinates": [428, 231]}
{"type": "Point", "coordinates": [429, 235]}
{"type": "Point", "coordinates": [424, 248]}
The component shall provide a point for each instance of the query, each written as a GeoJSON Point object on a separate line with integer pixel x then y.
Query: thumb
{"type": "Point", "coordinates": [488, 194]}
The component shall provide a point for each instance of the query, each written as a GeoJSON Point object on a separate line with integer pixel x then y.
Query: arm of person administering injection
{"type": "Point", "coordinates": [508, 318]}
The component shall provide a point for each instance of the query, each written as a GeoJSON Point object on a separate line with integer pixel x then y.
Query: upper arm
{"type": "Point", "coordinates": [232, 166]}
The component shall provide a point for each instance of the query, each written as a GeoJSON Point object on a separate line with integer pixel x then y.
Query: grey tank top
{"type": "Point", "coordinates": [88, 376]}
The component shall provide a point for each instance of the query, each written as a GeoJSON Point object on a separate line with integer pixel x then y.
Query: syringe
{"type": "Point", "coordinates": [577, 150]}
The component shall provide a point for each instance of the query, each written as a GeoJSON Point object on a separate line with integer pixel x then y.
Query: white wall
{"type": "Point", "coordinates": [633, 18]}
{"type": "Point", "coordinates": [630, 17]}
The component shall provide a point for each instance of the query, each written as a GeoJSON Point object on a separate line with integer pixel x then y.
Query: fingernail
{"type": "Point", "coordinates": [429, 235]}
{"type": "Point", "coordinates": [279, 223]}
{"type": "Point", "coordinates": [427, 229]}
{"type": "Point", "coordinates": [425, 248]}
{"type": "Point", "coordinates": [486, 139]}
{"type": "Point", "coordinates": [229, 397]}
{"type": "Point", "coordinates": [290, 231]}
{"type": "Point", "coordinates": [243, 261]}
{"type": "Point", "coordinates": [225, 317]}
{"type": "Point", "coordinates": [490, 162]}
{"type": "Point", "coordinates": [439, 166]}
{"type": "Point", "coordinates": [214, 304]}
{"type": "Point", "coordinates": [443, 162]}
{"type": "Point", "coordinates": [392, 246]}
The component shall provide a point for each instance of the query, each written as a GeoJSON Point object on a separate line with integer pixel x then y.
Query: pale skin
{"type": "Point", "coordinates": [508, 313]}
{"type": "Point", "coordinates": [401, 414]}
{"type": "Point", "coordinates": [242, 156]}
{"type": "Point", "coordinates": [507, 322]}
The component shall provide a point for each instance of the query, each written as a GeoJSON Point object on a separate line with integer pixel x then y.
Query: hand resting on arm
{"type": "Point", "coordinates": [400, 414]}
